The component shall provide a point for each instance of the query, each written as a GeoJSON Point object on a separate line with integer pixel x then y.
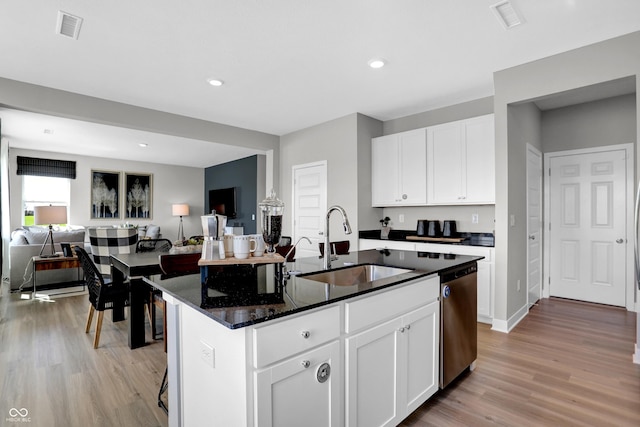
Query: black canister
{"type": "Point", "coordinates": [433, 229]}
{"type": "Point", "coordinates": [422, 228]}
{"type": "Point", "coordinates": [449, 229]}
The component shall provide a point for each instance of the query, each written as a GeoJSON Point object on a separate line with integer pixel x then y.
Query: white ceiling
{"type": "Point", "coordinates": [286, 64]}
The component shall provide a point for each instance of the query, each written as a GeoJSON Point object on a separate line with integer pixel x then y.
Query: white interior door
{"type": "Point", "coordinates": [587, 231]}
{"type": "Point", "coordinates": [309, 206]}
{"type": "Point", "coordinates": [534, 225]}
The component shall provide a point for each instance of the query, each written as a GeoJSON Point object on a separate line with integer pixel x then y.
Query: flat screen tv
{"type": "Point", "coordinates": [223, 201]}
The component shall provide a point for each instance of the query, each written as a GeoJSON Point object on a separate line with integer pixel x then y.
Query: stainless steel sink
{"type": "Point", "coordinates": [355, 275]}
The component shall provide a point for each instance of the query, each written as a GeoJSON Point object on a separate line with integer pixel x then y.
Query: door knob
{"type": "Point", "coordinates": [620, 241]}
{"type": "Point", "coordinates": [532, 237]}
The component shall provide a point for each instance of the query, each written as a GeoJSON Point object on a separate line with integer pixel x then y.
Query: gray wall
{"type": "Point", "coordinates": [336, 142]}
{"type": "Point", "coordinates": [460, 214]}
{"type": "Point", "coordinates": [368, 217]}
{"type": "Point", "coordinates": [609, 60]}
{"type": "Point", "coordinates": [171, 184]}
{"type": "Point", "coordinates": [605, 122]}
{"type": "Point", "coordinates": [243, 175]}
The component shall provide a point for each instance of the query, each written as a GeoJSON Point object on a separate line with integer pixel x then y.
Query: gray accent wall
{"type": "Point", "coordinates": [243, 175]}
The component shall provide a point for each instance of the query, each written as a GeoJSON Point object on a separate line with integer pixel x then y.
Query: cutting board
{"type": "Point", "coordinates": [252, 260]}
{"type": "Point", "coordinates": [436, 239]}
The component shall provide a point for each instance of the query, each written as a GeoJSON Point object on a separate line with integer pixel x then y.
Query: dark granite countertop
{"type": "Point", "coordinates": [470, 239]}
{"type": "Point", "coordinates": [239, 296]}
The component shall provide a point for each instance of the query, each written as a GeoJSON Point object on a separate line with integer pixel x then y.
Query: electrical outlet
{"type": "Point", "coordinates": [512, 220]}
{"type": "Point", "coordinates": [475, 218]}
{"type": "Point", "coordinates": [518, 285]}
{"type": "Point", "coordinates": [207, 353]}
{"type": "Point", "coordinates": [401, 218]}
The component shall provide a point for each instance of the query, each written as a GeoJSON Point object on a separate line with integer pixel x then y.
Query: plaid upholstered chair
{"type": "Point", "coordinates": [106, 241]}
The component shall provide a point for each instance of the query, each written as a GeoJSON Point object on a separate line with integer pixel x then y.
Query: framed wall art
{"type": "Point", "coordinates": [105, 194]}
{"type": "Point", "coordinates": [138, 195]}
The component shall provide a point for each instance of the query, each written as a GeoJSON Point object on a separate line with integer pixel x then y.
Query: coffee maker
{"type": "Point", "coordinates": [213, 225]}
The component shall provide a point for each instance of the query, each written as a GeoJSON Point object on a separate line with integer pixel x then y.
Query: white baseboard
{"type": "Point", "coordinates": [505, 326]}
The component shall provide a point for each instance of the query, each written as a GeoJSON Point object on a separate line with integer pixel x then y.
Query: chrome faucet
{"type": "Point", "coordinates": [285, 273]}
{"type": "Point", "coordinates": [327, 242]}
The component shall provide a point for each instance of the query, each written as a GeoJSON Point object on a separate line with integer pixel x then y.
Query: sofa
{"type": "Point", "coordinates": [26, 242]}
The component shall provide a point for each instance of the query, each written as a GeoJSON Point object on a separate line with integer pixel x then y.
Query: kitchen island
{"type": "Point", "coordinates": [250, 348]}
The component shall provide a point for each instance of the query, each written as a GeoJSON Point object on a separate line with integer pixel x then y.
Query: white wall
{"type": "Point", "coordinates": [171, 184]}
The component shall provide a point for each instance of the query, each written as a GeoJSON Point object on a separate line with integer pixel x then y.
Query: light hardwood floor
{"type": "Point", "coordinates": [566, 363]}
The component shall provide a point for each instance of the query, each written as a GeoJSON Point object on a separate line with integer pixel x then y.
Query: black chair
{"type": "Point", "coordinates": [174, 265]}
{"type": "Point", "coordinates": [153, 245]}
{"type": "Point", "coordinates": [103, 295]}
{"type": "Point", "coordinates": [155, 296]}
{"type": "Point", "coordinates": [337, 248]}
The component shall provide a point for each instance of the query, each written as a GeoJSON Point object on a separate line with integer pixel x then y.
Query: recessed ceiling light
{"type": "Point", "coordinates": [215, 82]}
{"type": "Point", "coordinates": [48, 131]}
{"type": "Point", "coordinates": [143, 145]}
{"type": "Point", "coordinates": [377, 63]}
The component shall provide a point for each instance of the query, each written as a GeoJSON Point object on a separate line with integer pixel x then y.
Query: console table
{"type": "Point", "coordinates": [53, 263]}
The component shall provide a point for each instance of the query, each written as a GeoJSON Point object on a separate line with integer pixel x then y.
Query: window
{"type": "Point", "coordinates": [42, 190]}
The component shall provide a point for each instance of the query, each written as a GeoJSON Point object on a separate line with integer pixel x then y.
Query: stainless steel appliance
{"type": "Point", "coordinates": [458, 318]}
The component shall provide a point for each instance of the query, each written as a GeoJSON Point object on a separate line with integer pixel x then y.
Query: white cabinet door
{"type": "Point", "coordinates": [461, 162]}
{"type": "Point", "coordinates": [413, 167]}
{"type": "Point", "coordinates": [445, 160]}
{"type": "Point", "coordinates": [421, 356]}
{"type": "Point", "coordinates": [371, 376]}
{"type": "Point", "coordinates": [290, 394]}
{"type": "Point", "coordinates": [484, 292]}
{"type": "Point", "coordinates": [399, 169]}
{"type": "Point", "coordinates": [393, 368]}
{"type": "Point", "coordinates": [480, 165]}
{"type": "Point", "coordinates": [385, 170]}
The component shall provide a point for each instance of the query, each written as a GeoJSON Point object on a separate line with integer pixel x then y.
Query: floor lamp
{"type": "Point", "coordinates": [180, 210]}
{"type": "Point", "coordinates": [43, 215]}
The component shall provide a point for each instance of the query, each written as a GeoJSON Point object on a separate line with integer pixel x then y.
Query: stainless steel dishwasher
{"type": "Point", "coordinates": [458, 318]}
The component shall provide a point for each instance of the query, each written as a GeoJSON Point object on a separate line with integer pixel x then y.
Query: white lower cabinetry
{"type": "Point", "coordinates": [302, 390]}
{"type": "Point", "coordinates": [392, 367]}
{"type": "Point", "coordinates": [486, 267]}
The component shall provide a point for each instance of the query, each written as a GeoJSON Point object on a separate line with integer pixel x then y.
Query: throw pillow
{"type": "Point", "coordinates": [153, 231]}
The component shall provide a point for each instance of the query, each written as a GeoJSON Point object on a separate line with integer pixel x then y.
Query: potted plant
{"type": "Point", "coordinates": [384, 233]}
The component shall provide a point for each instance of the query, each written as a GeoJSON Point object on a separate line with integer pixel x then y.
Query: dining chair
{"type": "Point", "coordinates": [103, 294]}
{"type": "Point", "coordinates": [174, 265]}
{"type": "Point", "coordinates": [337, 248]}
{"type": "Point", "coordinates": [106, 241]}
{"type": "Point", "coordinates": [155, 295]}
{"type": "Point", "coordinates": [153, 245]}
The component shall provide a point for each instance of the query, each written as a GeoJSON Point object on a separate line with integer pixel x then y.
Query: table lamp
{"type": "Point", "coordinates": [180, 210]}
{"type": "Point", "coordinates": [49, 215]}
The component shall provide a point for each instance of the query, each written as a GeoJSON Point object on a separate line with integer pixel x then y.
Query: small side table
{"type": "Point", "coordinates": [54, 263]}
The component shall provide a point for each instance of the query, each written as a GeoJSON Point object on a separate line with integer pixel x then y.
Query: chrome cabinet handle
{"type": "Point", "coordinates": [404, 197]}
{"type": "Point", "coordinates": [408, 327]}
{"type": "Point", "coordinates": [401, 330]}
{"type": "Point", "coordinates": [305, 334]}
{"type": "Point", "coordinates": [305, 364]}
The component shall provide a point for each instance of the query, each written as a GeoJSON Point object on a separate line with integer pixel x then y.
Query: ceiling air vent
{"type": "Point", "coordinates": [506, 14]}
{"type": "Point", "coordinates": [68, 25]}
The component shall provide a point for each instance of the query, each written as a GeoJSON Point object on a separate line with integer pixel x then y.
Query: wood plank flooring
{"type": "Point", "coordinates": [48, 366]}
{"type": "Point", "coordinates": [567, 363]}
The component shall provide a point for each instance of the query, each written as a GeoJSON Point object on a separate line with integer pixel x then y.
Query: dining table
{"type": "Point", "coordinates": [135, 267]}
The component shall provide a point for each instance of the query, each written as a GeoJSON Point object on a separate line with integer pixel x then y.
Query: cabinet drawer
{"type": "Point", "coordinates": [394, 302]}
{"type": "Point", "coordinates": [283, 339]}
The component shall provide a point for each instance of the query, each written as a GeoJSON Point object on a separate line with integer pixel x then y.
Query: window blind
{"type": "Point", "coordinates": [46, 167]}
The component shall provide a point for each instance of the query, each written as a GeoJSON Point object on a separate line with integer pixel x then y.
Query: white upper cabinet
{"type": "Point", "coordinates": [461, 162]}
{"type": "Point", "coordinates": [399, 169]}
